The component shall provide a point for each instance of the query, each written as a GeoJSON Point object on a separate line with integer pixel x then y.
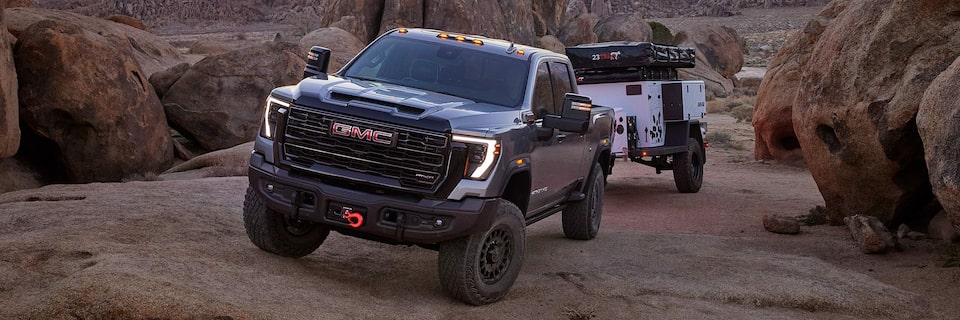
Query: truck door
{"type": "Point", "coordinates": [556, 162]}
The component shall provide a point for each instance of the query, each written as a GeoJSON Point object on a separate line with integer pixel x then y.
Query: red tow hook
{"type": "Point", "coordinates": [354, 218]}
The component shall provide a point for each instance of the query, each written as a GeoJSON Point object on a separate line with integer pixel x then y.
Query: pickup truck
{"type": "Point", "coordinates": [448, 141]}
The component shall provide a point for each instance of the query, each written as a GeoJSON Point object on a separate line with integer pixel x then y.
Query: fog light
{"type": "Point", "coordinates": [270, 188]}
{"type": "Point", "coordinates": [438, 223]}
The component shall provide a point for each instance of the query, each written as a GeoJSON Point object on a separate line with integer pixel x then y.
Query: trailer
{"type": "Point", "coordinates": [659, 119]}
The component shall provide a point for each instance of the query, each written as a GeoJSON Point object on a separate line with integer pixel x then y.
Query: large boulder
{"type": "Point", "coordinates": [91, 101]}
{"type": "Point", "coordinates": [623, 27]}
{"type": "Point", "coordinates": [855, 112]}
{"type": "Point", "coordinates": [218, 102]}
{"type": "Point", "coordinates": [722, 47]}
{"type": "Point", "coordinates": [130, 21]}
{"type": "Point", "coordinates": [502, 19]}
{"type": "Point", "coordinates": [717, 85]}
{"type": "Point", "coordinates": [9, 105]}
{"type": "Point", "coordinates": [579, 30]}
{"type": "Point", "coordinates": [401, 13]}
{"type": "Point", "coordinates": [939, 122]}
{"type": "Point", "coordinates": [342, 44]}
{"type": "Point", "coordinates": [163, 80]}
{"type": "Point", "coordinates": [773, 114]}
{"type": "Point", "coordinates": [152, 53]}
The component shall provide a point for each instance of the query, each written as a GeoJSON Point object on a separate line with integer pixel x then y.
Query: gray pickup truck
{"type": "Point", "coordinates": [447, 141]}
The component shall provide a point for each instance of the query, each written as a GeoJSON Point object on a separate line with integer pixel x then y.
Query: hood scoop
{"type": "Point", "coordinates": [399, 101]}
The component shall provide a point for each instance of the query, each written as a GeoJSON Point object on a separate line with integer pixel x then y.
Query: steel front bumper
{"type": "Point", "coordinates": [405, 219]}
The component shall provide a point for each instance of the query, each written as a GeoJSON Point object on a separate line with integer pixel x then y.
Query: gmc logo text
{"type": "Point", "coordinates": [346, 130]}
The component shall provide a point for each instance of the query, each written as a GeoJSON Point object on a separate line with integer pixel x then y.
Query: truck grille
{"type": "Point", "coordinates": [414, 158]}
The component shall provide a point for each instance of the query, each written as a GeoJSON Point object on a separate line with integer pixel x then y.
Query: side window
{"type": "Point", "coordinates": [543, 93]}
{"type": "Point", "coordinates": [561, 82]}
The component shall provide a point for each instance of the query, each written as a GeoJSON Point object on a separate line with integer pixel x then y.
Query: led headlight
{"type": "Point", "coordinates": [482, 154]}
{"type": "Point", "coordinates": [270, 116]}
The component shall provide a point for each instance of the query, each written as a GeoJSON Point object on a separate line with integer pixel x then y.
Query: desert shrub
{"type": "Point", "coordinates": [719, 137]}
{"type": "Point", "coordinates": [661, 34]}
{"type": "Point", "coordinates": [715, 106]}
{"type": "Point", "coordinates": [742, 113]}
{"type": "Point", "coordinates": [816, 216]}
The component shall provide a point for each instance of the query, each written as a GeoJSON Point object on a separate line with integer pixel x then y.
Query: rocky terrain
{"type": "Point", "coordinates": [861, 93]}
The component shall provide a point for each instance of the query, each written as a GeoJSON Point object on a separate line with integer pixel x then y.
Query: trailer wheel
{"type": "Point", "coordinates": [271, 231]}
{"type": "Point", "coordinates": [688, 168]}
{"type": "Point", "coordinates": [480, 268]}
{"type": "Point", "coordinates": [581, 220]}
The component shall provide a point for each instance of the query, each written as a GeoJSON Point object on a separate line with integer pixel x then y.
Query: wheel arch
{"type": "Point", "coordinates": [517, 190]}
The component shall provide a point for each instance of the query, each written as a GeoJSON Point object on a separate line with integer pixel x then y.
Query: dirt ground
{"type": "Point", "coordinates": [177, 249]}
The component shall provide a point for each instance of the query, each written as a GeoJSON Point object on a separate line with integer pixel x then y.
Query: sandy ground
{"type": "Point", "coordinates": [177, 249]}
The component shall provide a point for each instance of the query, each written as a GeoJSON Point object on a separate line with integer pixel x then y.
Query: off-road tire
{"type": "Point", "coordinates": [481, 268]}
{"type": "Point", "coordinates": [273, 232]}
{"type": "Point", "coordinates": [581, 220]}
{"type": "Point", "coordinates": [688, 168]}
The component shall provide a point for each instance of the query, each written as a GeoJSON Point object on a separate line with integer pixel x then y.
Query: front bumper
{"type": "Point", "coordinates": [404, 219]}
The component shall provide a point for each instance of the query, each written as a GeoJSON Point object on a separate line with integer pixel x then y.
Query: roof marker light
{"type": "Point", "coordinates": [403, 30]}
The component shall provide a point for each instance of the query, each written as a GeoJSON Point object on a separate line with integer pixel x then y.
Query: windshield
{"type": "Point", "coordinates": [443, 68]}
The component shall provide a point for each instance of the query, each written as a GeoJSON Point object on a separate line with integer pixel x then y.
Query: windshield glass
{"type": "Point", "coordinates": [443, 68]}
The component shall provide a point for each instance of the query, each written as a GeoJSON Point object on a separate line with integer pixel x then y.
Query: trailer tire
{"type": "Point", "coordinates": [688, 167]}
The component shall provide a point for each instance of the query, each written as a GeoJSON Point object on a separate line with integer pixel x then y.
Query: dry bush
{"type": "Point", "coordinates": [742, 113]}
{"type": "Point", "coordinates": [580, 312]}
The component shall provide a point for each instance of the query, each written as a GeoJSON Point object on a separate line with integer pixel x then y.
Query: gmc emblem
{"type": "Point", "coordinates": [346, 130]}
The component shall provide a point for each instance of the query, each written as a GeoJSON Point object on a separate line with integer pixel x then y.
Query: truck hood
{"type": "Point", "coordinates": [407, 102]}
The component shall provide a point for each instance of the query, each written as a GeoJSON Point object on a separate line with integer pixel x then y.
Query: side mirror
{"type": "Point", "coordinates": [318, 60]}
{"type": "Point", "coordinates": [576, 106]}
{"type": "Point", "coordinates": [575, 116]}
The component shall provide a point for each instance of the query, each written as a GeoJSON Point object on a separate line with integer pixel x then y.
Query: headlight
{"type": "Point", "coordinates": [271, 115]}
{"type": "Point", "coordinates": [482, 154]}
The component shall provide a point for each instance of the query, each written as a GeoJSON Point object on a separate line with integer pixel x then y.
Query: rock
{"type": "Point", "coordinates": [623, 27]}
{"type": "Point", "coordinates": [940, 227]}
{"type": "Point", "coordinates": [19, 174]}
{"type": "Point", "coordinates": [502, 19]}
{"type": "Point", "coordinates": [9, 102]}
{"type": "Point", "coordinates": [781, 224]}
{"type": "Point", "coordinates": [716, 84]}
{"type": "Point", "coordinates": [856, 114]}
{"type": "Point", "coordinates": [101, 115]}
{"type": "Point", "coordinates": [342, 44]}
{"type": "Point", "coordinates": [218, 102]}
{"type": "Point", "coordinates": [221, 163]}
{"type": "Point", "coordinates": [578, 30]}
{"type": "Point", "coordinates": [904, 232]}
{"type": "Point", "coordinates": [937, 120]}
{"type": "Point", "coordinates": [130, 21]}
{"type": "Point", "coordinates": [163, 80]}
{"type": "Point", "coordinates": [773, 126]}
{"type": "Point", "coordinates": [750, 77]}
{"type": "Point", "coordinates": [722, 47]}
{"type": "Point", "coordinates": [152, 53]}
{"type": "Point", "coordinates": [552, 13]}
{"type": "Point", "coordinates": [552, 43]}
{"type": "Point", "coordinates": [19, 4]}
{"type": "Point", "coordinates": [870, 234]}
{"type": "Point", "coordinates": [401, 13]}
